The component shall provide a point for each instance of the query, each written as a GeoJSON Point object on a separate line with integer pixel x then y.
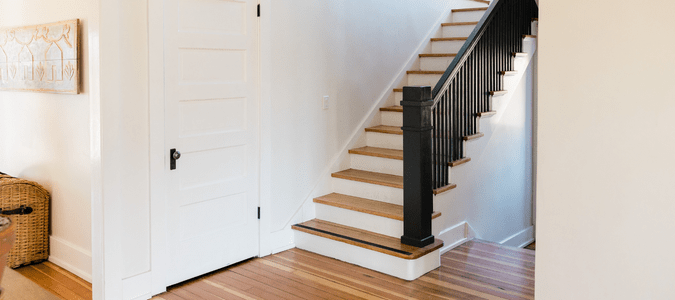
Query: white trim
{"type": "Point", "coordinates": [138, 287]}
{"type": "Point", "coordinates": [454, 236]}
{"type": "Point", "coordinates": [520, 239]}
{"type": "Point", "coordinates": [265, 63]}
{"type": "Point", "coordinates": [71, 257]}
{"type": "Point", "coordinates": [158, 237]}
{"type": "Point", "coordinates": [282, 240]}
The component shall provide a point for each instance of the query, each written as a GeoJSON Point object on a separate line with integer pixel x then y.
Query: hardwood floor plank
{"type": "Point", "coordinates": [528, 290]}
{"type": "Point", "coordinates": [502, 276]}
{"type": "Point", "coordinates": [185, 294]}
{"type": "Point", "coordinates": [495, 256]}
{"type": "Point", "coordinates": [499, 248]}
{"type": "Point", "coordinates": [497, 290]}
{"type": "Point", "coordinates": [64, 280]}
{"type": "Point", "coordinates": [356, 288]}
{"type": "Point", "coordinates": [357, 274]}
{"type": "Point", "coordinates": [256, 289]}
{"type": "Point", "coordinates": [48, 283]}
{"type": "Point", "coordinates": [283, 282]}
{"type": "Point", "coordinates": [168, 296]}
{"type": "Point", "coordinates": [488, 264]}
{"type": "Point", "coordinates": [228, 290]}
{"type": "Point", "coordinates": [468, 288]}
{"type": "Point", "coordinates": [516, 263]}
{"type": "Point", "coordinates": [223, 294]}
{"type": "Point", "coordinates": [75, 278]}
{"type": "Point", "coordinates": [271, 283]}
{"type": "Point", "coordinates": [501, 252]}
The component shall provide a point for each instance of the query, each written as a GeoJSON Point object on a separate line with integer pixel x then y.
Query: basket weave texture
{"type": "Point", "coordinates": [32, 230]}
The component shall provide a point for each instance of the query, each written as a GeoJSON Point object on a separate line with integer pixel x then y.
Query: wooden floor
{"type": "Point", "coordinates": [474, 270]}
{"type": "Point", "coordinates": [57, 280]}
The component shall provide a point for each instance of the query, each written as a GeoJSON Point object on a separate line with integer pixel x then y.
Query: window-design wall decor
{"type": "Point", "coordinates": [41, 58]}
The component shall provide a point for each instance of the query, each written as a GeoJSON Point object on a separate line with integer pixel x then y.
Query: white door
{"type": "Point", "coordinates": [211, 119]}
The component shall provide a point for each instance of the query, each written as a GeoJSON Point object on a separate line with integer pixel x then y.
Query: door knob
{"type": "Point", "coordinates": [174, 155]}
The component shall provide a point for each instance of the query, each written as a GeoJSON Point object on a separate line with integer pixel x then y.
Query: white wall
{"type": "Point", "coordinates": [606, 139]}
{"type": "Point", "coordinates": [494, 189]}
{"type": "Point", "coordinates": [349, 50]}
{"type": "Point", "coordinates": [45, 137]}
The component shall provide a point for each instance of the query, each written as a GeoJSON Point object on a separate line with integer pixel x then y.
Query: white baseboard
{"type": "Point", "coordinates": [282, 240]}
{"type": "Point", "coordinates": [520, 239]}
{"type": "Point", "coordinates": [70, 257]}
{"type": "Point", "coordinates": [137, 287]}
{"type": "Point", "coordinates": [454, 236]}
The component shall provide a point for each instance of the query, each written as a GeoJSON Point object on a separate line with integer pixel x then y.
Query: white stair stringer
{"type": "Point", "coordinates": [407, 269]}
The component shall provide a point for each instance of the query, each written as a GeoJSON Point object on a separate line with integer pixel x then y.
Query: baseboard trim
{"type": "Point", "coordinates": [70, 257]}
{"type": "Point", "coordinates": [454, 236]}
{"type": "Point", "coordinates": [282, 240]}
{"type": "Point", "coordinates": [520, 239]}
{"type": "Point", "coordinates": [137, 287]}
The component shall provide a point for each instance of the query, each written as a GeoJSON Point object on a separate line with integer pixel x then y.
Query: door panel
{"type": "Point", "coordinates": [211, 113]}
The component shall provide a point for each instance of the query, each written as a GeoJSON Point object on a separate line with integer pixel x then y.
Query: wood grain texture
{"type": "Point", "coordinates": [378, 152]}
{"type": "Point", "coordinates": [486, 114]}
{"type": "Point", "coordinates": [444, 189]}
{"type": "Point", "coordinates": [373, 207]}
{"type": "Point", "coordinates": [438, 54]}
{"type": "Point", "coordinates": [398, 90]}
{"type": "Point", "coordinates": [474, 136]}
{"type": "Point", "coordinates": [448, 39]}
{"type": "Point", "coordinates": [459, 23]}
{"type": "Point", "coordinates": [57, 281]}
{"type": "Point", "coordinates": [460, 161]}
{"type": "Point", "coordinates": [469, 9]}
{"type": "Point", "coordinates": [426, 72]}
{"type": "Point", "coordinates": [298, 274]}
{"type": "Point", "coordinates": [370, 177]}
{"type": "Point", "coordinates": [395, 108]}
{"type": "Point", "coordinates": [374, 241]}
{"type": "Point", "coordinates": [385, 129]}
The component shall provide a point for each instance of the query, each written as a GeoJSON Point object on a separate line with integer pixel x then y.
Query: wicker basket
{"type": "Point", "coordinates": [32, 230]}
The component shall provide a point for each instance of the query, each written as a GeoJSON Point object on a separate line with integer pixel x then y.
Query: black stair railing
{"type": "Point", "coordinates": [435, 122]}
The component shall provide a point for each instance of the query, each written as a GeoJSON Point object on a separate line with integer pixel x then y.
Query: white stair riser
{"type": "Point", "coordinates": [458, 30]}
{"type": "Point", "coordinates": [398, 97]}
{"type": "Point", "coordinates": [377, 164]}
{"type": "Point", "coordinates": [438, 47]}
{"type": "Point", "coordinates": [364, 221]}
{"type": "Point", "coordinates": [368, 191]}
{"type": "Point", "coordinates": [423, 79]}
{"type": "Point", "coordinates": [435, 63]}
{"type": "Point", "coordinates": [407, 269]}
{"type": "Point", "coordinates": [392, 118]}
{"type": "Point", "coordinates": [384, 140]}
{"type": "Point", "coordinates": [467, 16]}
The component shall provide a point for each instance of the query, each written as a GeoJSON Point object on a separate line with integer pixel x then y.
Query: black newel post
{"type": "Point", "coordinates": [417, 185]}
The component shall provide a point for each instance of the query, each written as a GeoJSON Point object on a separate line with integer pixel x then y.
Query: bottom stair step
{"type": "Point", "coordinates": [368, 249]}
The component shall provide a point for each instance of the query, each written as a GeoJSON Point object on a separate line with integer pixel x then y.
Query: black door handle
{"type": "Point", "coordinates": [174, 156]}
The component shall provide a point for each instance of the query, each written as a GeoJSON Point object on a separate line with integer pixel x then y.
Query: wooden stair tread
{"type": "Point", "coordinates": [385, 129]}
{"type": "Point", "coordinates": [394, 181]}
{"type": "Point", "coordinates": [444, 189]}
{"type": "Point", "coordinates": [529, 36]}
{"type": "Point", "coordinates": [469, 9]}
{"type": "Point", "coordinates": [378, 152]}
{"type": "Point", "coordinates": [365, 239]}
{"type": "Point", "coordinates": [395, 108]}
{"type": "Point", "coordinates": [398, 90]}
{"type": "Point", "coordinates": [448, 39]}
{"type": "Point", "coordinates": [426, 72]}
{"type": "Point", "coordinates": [438, 55]}
{"type": "Point", "coordinates": [498, 93]}
{"type": "Point", "coordinates": [487, 113]}
{"type": "Point", "coordinates": [459, 162]}
{"type": "Point", "coordinates": [508, 73]}
{"type": "Point", "coordinates": [373, 207]}
{"type": "Point", "coordinates": [459, 23]}
{"type": "Point", "coordinates": [519, 54]}
{"type": "Point", "coordinates": [474, 136]}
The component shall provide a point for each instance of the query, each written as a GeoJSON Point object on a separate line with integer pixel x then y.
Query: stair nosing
{"type": "Point", "coordinates": [395, 108]}
{"type": "Point", "coordinates": [341, 175]}
{"type": "Point", "coordinates": [444, 189]}
{"type": "Point", "coordinates": [423, 55]}
{"type": "Point", "coordinates": [460, 161]}
{"type": "Point", "coordinates": [498, 93]}
{"type": "Point", "coordinates": [474, 136]}
{"type": "Point", "coordinates": [449, 39]}
{"type": "Point", "coordinates": [459, 23]}
{"type": "Point", "coordinates": [385, 129]}
{"type": "Point", "coordinates": [394, 216]}
{"type": "Point", "coordinates": [487, 113]}
{"type": "Point", "coordinates": [469, 9]}
{"type": "Point", "coordinates": [404, 252]}
{"type": "Point", "coordinates": [362, 151]}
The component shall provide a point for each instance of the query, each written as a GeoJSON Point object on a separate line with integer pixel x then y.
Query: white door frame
{"type": "Point", "coordinates": [158, 208]}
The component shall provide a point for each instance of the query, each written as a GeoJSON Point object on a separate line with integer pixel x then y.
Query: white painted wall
{"type": "Point", "coordinates": [494, 189]}
{"type": "Point", "coordinates": [45, 137]}
{"type": "Point", "coordinates": [350, 51]}
{"type": "Point", "coordinates": [606, 140]}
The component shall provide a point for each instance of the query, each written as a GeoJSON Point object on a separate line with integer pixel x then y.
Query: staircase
{"type": "Point", "coordinates": [361, 222]}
